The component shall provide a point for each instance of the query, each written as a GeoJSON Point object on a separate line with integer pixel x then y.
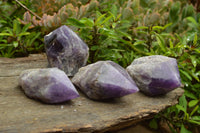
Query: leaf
{"type": "Point", "coordinates": [9, 30]}
{"type": "Point", "coordinates": [118, 17]}
{"type": "Point", "coordinates": [93, 48]}
{"type": "Point", "coordinates": [195, 39]}
{"type": "Point", "coordinates": [3, 21]}
{"type": "Point", "coordinates": [161, 42]}
{"type": "Point", "coordinates": [114, 10]}
{"type": "Point", "coordinates": [191, 19]}
{"type": "Point", "coordinates": [194, 122]}
{"type": "Point", "coordinates": [183, 102]}
{"type": "Point", "coordinates": [194, 60]}
{"type": "Point", "coordinates": [192, 103]}
{"type": "Point", "coordinates": [190, 94]}
{"type": "Point", "coordinates": [5, 34]}
{"type": "Point", "coordinates": [99, 19]}
{"type": "Point", "coordinates": [125, 34]}
{"type": "Point", "coordinates": [142, 32]}
{"type": "Point", "coordinates": [198, 51]}
{"type": "Point", "coordinates": [153, 124]}
{"type": "Point", "coordinates": [167, 25]}
{"type": "Point", "coordinates": [141, 27]}
{"type": "Point", "coordinates": [108, 32]}
{"type": "Point", "coordinates": [194, 76]}
{"type": "Point", "coordinates": [75, 22]}
{"type": "Point", "coordinates": [174, 12]}
{"type": "Point", "coordinates": [171, 44]}
{"type": "Point", "coordinates": [24, 34]}
{"type": "Point", "coordinates": [196, 118]}
{"type": "Point", "coordinates": [184, 130]}
{"type": "Point", "coordinates": [6, 45]}
{"type": "Point", "coordinates": [16, 27]}
{"type": "Point", "coordinates": [140, 42]}
{"type": "Point", "coordinates": [124, 24]}
{"type": "Point", "coordinates": [186, 74]}
{"type": "Point", "coordinates": [194, 110]}
{"type": "Point", "coordinates": [179, 37]}
{"type": "Point", "coordinates": [188, 10]}
{"type": "Point", "coordinates": [3, 41]}
{"type": "Point", "coordinates": [34, 38]}
{"type": "Point", "coordinates": [179, 107]}
{"type": "Point", "coordinates": [87, 21]}
{"type": "Point", "coordinates": [25, 28]}
{"type": "Point", "coordinates": [193, 26]}
{"type": "Point", "coordinates": [106, 19]}
{"type": "Point", "coordinates": [157, 28]}
{"type": "Point", "coordinates": [15, 44]}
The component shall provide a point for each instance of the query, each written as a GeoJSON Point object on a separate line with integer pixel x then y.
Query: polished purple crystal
{"type": "Point", "coordinates": [155, 75]}
{"type": "Point", "coordinates": [104, 80]}
{"type": "Point", "coordinates": [66, 50]}
{"type": "Point", "coordinates": [49, 85]}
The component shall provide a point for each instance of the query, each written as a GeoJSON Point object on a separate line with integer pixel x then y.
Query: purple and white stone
{"type": "Point", "coordinates": [155, 75]}
{"type": "Point", "coordinates": [50, 85]}
{"type": "Point", "coordinates": [104, 80]}
{"type": "Point", "coordinates": [66, 50]}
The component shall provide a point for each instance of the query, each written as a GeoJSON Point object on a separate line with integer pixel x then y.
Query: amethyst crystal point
{"type": "Point", "coordinates": [49, 85]}
{"type": "Point", "coordinates": [66, 50]}
{"type": "Point", "coordinates": [155, 75]}
{"type": "Point", "coordinates": [104, 80]}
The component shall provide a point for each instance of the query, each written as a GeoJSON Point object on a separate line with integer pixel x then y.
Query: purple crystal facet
{"type": "Point", "coordinates": [66, 50]}
{"type": "Point", "coordinates": [49, 85]}
{"type": "Point", "coordinates": [104, 80]}
{"type": "Point", "coordinates": [155, 75]}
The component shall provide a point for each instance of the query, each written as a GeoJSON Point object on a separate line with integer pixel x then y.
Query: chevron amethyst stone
{"type": "Point", "coordinates": [155, 75]}
{"type": "Point", "coordinates": [104, 80]}
{"type": "Point", "coordinates": [49, 85]}
{"type": "Point", "coordinates": [66, 50]}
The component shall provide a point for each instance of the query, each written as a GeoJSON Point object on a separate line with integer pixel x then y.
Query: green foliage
{"type": "Point", "coordinates": [174, 12]}
{"type": "Point", "coordinates": [6, 14]}
{"type": "Point", "coordinates": [184, 113]}
{"type": "Point", "coordinates": [17, 41]}
{"type": "Point", "coordinates": [105, 37]}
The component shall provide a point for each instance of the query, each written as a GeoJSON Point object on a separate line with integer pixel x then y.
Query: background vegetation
{"type": "Point", "coordinates": [117, 30]}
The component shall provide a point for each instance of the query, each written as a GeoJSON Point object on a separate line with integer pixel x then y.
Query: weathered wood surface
{"type": "Point", "coordinates": [21, 114]}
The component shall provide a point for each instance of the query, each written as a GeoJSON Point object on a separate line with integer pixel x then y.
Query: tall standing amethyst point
{"type": "Point", "coordinates": [65, 50]}
{"type": "Point", "coordinates": [155, 75]}
{"type": "Point", "coordinates": [104, 80]}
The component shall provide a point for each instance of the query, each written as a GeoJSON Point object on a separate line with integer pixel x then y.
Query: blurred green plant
{"type": "Point", "coordinates": [107, 37]}
{"type": "Point", "coordinates": [17, 41]}
{"type": "Point", "coordinates": [183, 117]}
